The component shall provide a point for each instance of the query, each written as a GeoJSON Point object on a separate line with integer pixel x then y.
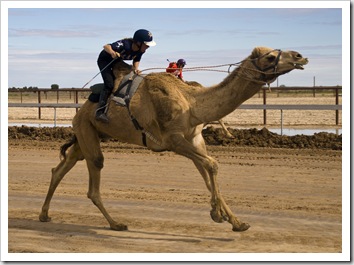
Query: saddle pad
{"type": "Point", "coordinates": [129, 80]}
{"type": "Point", "coordinates": [127, 88]}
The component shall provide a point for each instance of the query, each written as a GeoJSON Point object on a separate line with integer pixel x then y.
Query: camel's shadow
{"type": "Point", "coordinates": [99, 232]}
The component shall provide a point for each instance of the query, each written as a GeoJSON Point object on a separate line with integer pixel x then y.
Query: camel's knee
{"type": "Point", "coordinates": [98, 161]}
{"type": "Point", "coordinates": [212, 166]}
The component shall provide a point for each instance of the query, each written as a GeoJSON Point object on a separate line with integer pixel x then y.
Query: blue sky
{"type": "Point", "coordinates": [60, 45]}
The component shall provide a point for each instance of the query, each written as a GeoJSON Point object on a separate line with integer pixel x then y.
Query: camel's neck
{"type": "Point", "coordinates": [215, 102]}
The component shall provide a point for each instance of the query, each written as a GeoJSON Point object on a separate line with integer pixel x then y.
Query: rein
{"type": "Point", "coordinates": [250, 78]}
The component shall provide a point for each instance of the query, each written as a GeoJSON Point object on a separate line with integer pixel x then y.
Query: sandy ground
{"type": "Point", "coordinates": [290, 197]}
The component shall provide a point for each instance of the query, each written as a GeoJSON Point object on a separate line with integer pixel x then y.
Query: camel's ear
{"type": "Point", "coordinates": [255, 53]}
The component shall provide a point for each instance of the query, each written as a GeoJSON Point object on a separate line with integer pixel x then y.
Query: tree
{"type": "Point", "coordinates": [54, 86]}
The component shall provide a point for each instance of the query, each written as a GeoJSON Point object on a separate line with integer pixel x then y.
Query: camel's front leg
{"type": "Point", "coordinates": [207, 166]}
{"type": "Point", "coordinates": [216, 212]}
{"type": "Point", "coordinates": [220, 210]}
{"type": "Point", "coordinates": [226, 131]}
{"type": "Point", "coordinates": [237, 225]}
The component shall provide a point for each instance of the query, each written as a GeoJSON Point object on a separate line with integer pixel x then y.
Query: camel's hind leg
{"type": "Point", "coordinates": [74, 154]}
{"type": "Point", "coordinates": [95, 196]}
{"type": "Point", "coordinates": [90, 146]}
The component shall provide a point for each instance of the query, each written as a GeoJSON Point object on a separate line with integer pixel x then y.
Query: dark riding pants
{"type": "Point", "coordinates": [107, 74]}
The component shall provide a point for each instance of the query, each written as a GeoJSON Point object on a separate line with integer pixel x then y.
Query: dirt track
{"type": "Point", "coordinates": [290, 197]}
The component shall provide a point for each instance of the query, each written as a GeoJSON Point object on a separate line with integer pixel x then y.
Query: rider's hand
{"type": "Point", "coordinates": [136, 71]}
{"type": "Point", "coordinates": [115, 55]}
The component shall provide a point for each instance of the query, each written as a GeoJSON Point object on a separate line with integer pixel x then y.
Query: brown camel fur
{"type": "Point", "coordinates": [221, 122]}
{"type": "Point", "coordinates": [174, 113]}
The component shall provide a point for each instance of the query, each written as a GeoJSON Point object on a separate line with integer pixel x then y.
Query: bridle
{"type": "Point", "coordinates": [264, 75]}
{"type": "Point", "coordinates": [274, 66]}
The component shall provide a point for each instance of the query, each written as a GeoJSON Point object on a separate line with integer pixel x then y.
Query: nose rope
{"type": "Point", "coordinates": [208, 68]}
{"type": "Point", "coordinates": [211, 67]}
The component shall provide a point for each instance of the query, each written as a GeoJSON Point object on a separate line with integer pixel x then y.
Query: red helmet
{"type": "Point", "coordinates": [144, 36]}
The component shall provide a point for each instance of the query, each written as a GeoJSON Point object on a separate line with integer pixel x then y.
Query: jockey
{"type": "Point", "coordinates": [124, 49]}
{"type": "Point", "coordinates": [175, 68]}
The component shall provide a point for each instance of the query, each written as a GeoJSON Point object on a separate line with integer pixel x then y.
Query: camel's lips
{"type": "Point", "coordinates": [298, 66]}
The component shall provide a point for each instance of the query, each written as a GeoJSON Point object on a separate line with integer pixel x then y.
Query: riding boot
{"type": "Point", "coordinates": [100, 111]}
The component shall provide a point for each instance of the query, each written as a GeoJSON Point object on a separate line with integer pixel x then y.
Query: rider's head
{"type": "Point", "coordinates": [181, 63]}
{"type": "Point", "coordinates": [143, 37]}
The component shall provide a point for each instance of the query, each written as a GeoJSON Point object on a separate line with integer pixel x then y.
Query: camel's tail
{"type": "Point", "coordinates": [65, 146]}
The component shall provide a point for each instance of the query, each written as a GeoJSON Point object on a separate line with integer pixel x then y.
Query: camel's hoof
{"type": "Point", "coordinates": [242, 227]}
{"type": "Point", "coordinates": [216, 216]}
{"type": "Point", "coordinates": [119, 227]}
{"type": "Point", "coordinates": [230, 136]}
{"type": "Point", "coordinates": [44, 218]}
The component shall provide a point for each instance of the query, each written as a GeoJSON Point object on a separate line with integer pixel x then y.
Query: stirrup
{"type": "Point", "coordinates": [102, 108]}
{"type": "Point", "coordinates": [119, 101]}
{"type": "Point", "coordinates": [102, 117]}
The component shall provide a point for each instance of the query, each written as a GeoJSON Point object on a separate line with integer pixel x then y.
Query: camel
{"type": "Point", "coordinates": [172, 114]}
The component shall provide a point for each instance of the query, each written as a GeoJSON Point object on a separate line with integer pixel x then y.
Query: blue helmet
{"type": "Point", "coordinates": [182, 62]}
{"type": "Point", "coordinates": [144, 36]}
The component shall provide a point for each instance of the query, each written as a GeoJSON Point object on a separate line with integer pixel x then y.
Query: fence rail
{"type": "Point", "coordinates": [244, 106]}
{"type": "Point", "coordinates": [335, 107]}
{"type": "Point", "coordinates": [291, 107]}
{"type": "Point", "coordinates": [44, 105]}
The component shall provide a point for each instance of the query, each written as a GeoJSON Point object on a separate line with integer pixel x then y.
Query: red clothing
{"type": "Point", "coordinates": [173, 69]}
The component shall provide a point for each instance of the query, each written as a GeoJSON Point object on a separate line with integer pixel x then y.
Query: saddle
{"type": "Point", "coordinates": [124, 93]}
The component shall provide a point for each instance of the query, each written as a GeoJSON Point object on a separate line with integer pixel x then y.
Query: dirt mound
{"type": "Point", "coordinates": [42, 134]}
{"type": "Point", "coordinates": [265, 138]}
{"type": "Point", "coordinates": [212, 136]}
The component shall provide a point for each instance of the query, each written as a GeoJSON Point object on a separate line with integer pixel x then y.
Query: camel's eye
{"type": "Point", "coordinates": [271, 58]}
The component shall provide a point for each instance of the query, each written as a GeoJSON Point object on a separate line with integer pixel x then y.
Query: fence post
{"type": "Point", "coordinates": [337, 111]}
{"type": "Point", "coordinates": [77, 99]}
{"type": "Point", "coordinates": [39, 101]}
{"type": "Point", "coordinates": [264, 103]}
{"type": "Point", "coordinates": [281, 122]}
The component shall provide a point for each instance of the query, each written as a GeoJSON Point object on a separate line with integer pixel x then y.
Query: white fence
{"type": "Point", "coordinates": [244, 106]}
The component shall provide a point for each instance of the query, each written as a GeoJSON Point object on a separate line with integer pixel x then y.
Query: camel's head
{"type": "Point", "coordinates": [268, 63]}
